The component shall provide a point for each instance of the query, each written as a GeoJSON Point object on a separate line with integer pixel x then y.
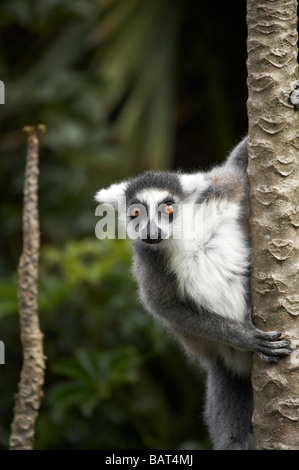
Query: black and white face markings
{"type": "Point", "coordinates": [150, 216]}
{"type": "Point", "coordinates": [152, 204]}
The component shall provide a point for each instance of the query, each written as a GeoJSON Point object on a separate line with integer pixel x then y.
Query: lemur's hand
{"type": "Point", "coordinates": [265, 344]}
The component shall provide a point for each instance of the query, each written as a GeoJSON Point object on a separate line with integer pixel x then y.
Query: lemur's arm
{"type": "Point", "coordinates": [162, 298]}
{"type": "Point", "coordinates": [212, 326]}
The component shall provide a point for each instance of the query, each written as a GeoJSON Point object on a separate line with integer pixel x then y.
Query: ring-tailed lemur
{"type": "Point", "coordinates": [191, 261]}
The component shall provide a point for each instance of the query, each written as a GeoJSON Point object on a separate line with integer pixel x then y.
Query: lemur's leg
{"type": "Point", "coordinates": [228, 410]}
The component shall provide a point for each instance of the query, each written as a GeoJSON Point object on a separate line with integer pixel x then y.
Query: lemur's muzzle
{"type": "Point", "coordinates": [154, 234]}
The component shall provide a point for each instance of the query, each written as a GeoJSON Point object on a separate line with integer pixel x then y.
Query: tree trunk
{"type": "Point", "coordinates": [273, 173]}
{"type": "Point", "coordinates": [30, 390]}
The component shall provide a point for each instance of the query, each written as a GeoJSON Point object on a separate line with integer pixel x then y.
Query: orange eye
{"type": "Point", "coordinates": [135, 212]}
{"type": "Point", "coordinates": [169, 209]}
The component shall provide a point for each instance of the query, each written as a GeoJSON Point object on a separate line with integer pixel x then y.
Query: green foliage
{"type": "Point", "coordinates": [94, 377]}
{"type": "Point", "coordinates": [140, 66]}
{"type": "Point", "coordinates": [106, 359]}
{"type": "Point", "coordinates": [8, 297]}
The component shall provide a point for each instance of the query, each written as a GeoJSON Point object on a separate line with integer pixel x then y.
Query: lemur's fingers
{"type": "Point", "coordinates": [275, 350]}
{"type": "Point", "coordinates": [279, 354]}
{"type": "Point", "coordinates": [267, 358]}
{"type": "Point", "coordinates": [270, 347]}
{"type": "Point", "coordinates": [279, 351]}
{"type": "Point", "coordinates": [275, 345]}
{"type": "Point", "coordinates": [269, 335]}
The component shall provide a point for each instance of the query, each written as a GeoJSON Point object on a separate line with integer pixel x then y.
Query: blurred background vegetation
{"type": "Point", "coordinates": [122, 86]}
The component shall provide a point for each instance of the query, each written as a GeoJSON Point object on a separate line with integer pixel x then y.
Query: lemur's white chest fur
{"type": "Point", "coordinates": [211, 265]}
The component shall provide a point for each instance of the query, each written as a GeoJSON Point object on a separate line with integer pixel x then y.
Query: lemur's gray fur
{"type": "Point", "coordinates": [199, 285]}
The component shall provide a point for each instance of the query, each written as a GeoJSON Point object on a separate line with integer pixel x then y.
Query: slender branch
{"type": "Point", "coordinates": [28, 398]}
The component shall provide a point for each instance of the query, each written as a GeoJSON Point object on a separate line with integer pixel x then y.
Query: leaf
{"type": "Point", "coordinates": [67, 395]}
{"type": "Point", "coordinates": [93, 377]}
{"type": "Point", "coordinates": [69, 367]}
{"type": "Point", "coordinates": [138, 63]}
{"type": "Point", "coordinates": [8, 297]}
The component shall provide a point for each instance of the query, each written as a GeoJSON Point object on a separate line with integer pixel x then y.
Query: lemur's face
{"type": "Point", "coordinates": [150, 206]}
{"type": "Point", "coordinates": [151, 214]}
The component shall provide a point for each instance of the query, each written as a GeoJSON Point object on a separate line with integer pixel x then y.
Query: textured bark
{"type": "Point", "coordinates": [28, 398]}
{"type": "Point", "coordinates": [273, 173]}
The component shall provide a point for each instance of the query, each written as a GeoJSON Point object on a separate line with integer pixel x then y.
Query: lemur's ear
{"type": "Point", "coordinates": [193, 183]}
{"type": "Point", "coordinates": [112, 194]}
{"type": "Point", "coordinates": [238, 158]}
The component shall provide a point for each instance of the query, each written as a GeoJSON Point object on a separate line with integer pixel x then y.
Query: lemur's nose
{"type": "Point", "coordinates": [153, 231]}
{"type": "Point", "coordinates": [154, 234]}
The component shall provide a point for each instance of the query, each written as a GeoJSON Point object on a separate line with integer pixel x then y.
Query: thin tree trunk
{"type": "Point", "coordinates": [28, 398]}
{"type": "Point", "coordinates": [273, 173]}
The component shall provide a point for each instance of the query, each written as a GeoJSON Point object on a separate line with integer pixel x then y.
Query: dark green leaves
{"type": "Point", "coordinates": [93, 378]}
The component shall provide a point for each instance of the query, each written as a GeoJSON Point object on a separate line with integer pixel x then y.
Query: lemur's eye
{"type": "Point", "coordinates": [135, 212]}
{"type": "Point", "coordinates": [168, 209]}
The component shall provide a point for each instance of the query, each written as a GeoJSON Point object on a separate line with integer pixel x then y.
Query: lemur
{"type": "Point", "coordinates": [191, 260]}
